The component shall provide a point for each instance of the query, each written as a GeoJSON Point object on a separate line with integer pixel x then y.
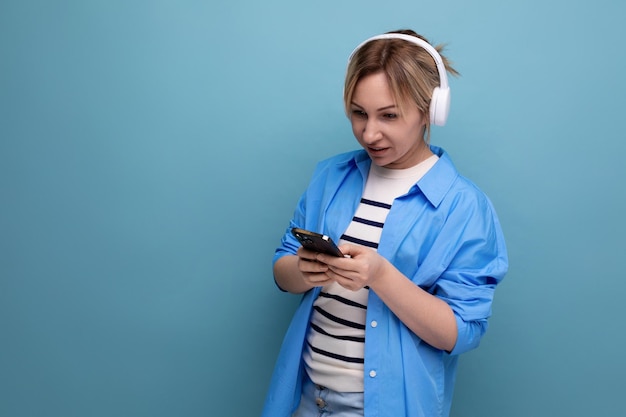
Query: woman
{"type": "Point", "coordinates": [379, 331]}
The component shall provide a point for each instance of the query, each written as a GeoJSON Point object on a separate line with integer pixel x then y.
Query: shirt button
{"type": "Point", "coordinates": [320, 402]}
{"type": "Point", "coordinates": [372, 374]}
{"type": "Point", "coordinates": [374, 323]}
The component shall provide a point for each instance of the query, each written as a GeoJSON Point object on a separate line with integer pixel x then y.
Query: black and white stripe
{"type": "Point", "coordinates": [334, 352]}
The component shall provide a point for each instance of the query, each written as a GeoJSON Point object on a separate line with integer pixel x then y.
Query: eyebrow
{"type": "Point", "coordinates": [391, 106]}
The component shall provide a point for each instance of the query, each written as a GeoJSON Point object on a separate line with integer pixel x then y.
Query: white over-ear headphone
{"type": "Point", "coordinates": [440, 101]}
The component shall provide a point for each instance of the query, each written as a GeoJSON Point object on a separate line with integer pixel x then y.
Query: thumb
{"type": "Point", "coordinates": [350, 251]}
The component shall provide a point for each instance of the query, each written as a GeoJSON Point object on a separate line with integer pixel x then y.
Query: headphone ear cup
{"type": "Point", "coordinates": [439, 106]}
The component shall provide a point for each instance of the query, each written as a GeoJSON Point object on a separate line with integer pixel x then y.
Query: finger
{"type": "Point", "coordinates": [306, 254]}
{"type": "Point", "coordinates": [346, 267]}
{"type": "Point", "coordinates": [351, 251]}
{"type": "Point", "coordinates": [317, 280]}
{"type": "Point", "coordinates": [348, 283]}
{"type": "Point", "coordinates": [311, 266]}
{"type": "Point", "coordinates": [337, 261]}
{"type": "Point", "coordinates": [346, 278]}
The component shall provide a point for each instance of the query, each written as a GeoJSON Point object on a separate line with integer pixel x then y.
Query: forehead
{"type": "Point", "coordinates": [373, 87]}
{"type": "Point", "coordinates": [374, 90]}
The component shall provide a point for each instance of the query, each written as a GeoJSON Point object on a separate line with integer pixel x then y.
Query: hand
{"type": "Point", "coordinates": [426, 315]}
{"type": "Point", "coordinates": [361, 268]}
{"type": "Point", "coordinates": [313, 271]}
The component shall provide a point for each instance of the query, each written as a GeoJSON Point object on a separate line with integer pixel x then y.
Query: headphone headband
{"type": "Point", "coordinates": [440, 101]}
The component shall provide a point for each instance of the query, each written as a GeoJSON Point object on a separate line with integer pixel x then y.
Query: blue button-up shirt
{"type": "Point", "coordinates": [445, 236]}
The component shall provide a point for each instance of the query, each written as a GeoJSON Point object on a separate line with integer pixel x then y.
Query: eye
{"type": "Point", "coordinates": [390, 116]}
{"type": "Point", "coordinates": [359, 113]}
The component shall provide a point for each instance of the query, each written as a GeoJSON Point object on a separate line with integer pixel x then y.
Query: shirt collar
{"type": "Point", "coordinates": [434, 184]}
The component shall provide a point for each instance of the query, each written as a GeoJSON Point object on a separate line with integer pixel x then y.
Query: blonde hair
{"type": "Point", "coordinates": [410, 71]}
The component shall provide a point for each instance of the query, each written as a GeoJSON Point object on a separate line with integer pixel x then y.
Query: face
{"type": "Point", "coordinates": [393, 139]}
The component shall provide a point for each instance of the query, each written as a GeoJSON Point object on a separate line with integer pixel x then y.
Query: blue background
{"type": "Point", "coordinates": [152, 152]}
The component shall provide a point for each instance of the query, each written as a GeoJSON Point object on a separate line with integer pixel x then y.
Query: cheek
{"type": "Point", "coordinates": [357, 128]}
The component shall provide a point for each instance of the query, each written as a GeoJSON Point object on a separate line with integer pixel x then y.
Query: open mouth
{"type": "Point", "coordinates": [376, 150]}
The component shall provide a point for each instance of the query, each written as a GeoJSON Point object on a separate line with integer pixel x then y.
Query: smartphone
{"type": "Point", "coordinates": [316, 242]}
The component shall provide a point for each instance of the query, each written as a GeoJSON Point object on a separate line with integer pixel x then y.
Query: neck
{"type": "Point", "coordinates": [425, 152]}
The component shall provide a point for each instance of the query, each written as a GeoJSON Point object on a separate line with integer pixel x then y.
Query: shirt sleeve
{"type": "Point", "coordinates": [288, 243]}
{"type": "Point", "coordinates": [476, 262]}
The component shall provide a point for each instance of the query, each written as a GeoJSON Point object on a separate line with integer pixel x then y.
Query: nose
{"type": "Point", "coordinates": [371, 131]}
